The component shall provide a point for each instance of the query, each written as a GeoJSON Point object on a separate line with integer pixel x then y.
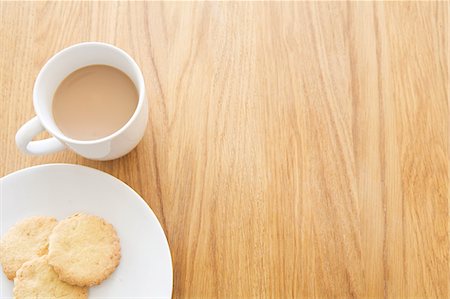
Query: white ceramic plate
{"type": "Point", "coordinates": [60, 190]}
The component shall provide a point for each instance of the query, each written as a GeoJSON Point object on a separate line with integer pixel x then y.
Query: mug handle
{"type": "Point", "coordinates": [26, 134]}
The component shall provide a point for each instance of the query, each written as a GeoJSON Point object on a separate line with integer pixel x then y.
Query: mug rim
{"type": "Point", "coordinates": [140, 87]}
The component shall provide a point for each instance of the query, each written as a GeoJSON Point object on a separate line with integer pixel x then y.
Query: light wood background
{"type": "Point", "coordinates": [293, 149]}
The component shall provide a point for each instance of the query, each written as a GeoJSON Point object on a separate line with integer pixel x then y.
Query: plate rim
{"type": "Point", "coordinates": [141, 200]}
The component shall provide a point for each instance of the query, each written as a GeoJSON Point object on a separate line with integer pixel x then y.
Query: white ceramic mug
{"type": "Point", "coordinates": [52, 74]}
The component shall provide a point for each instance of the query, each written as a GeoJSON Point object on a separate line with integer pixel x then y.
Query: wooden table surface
{"type": "Point", "coordinates": [293, 149]}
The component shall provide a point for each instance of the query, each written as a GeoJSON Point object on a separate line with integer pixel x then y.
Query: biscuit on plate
{"type": "Point", "coordinates": [84, 250]}
{"type": "Point", "coordinates": [24, 241]}
{"type": "Point", "coordinates": [37, 279]}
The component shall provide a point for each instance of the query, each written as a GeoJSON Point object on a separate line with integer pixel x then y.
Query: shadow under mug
{"type": "Point", "coordinates": [52, 74]}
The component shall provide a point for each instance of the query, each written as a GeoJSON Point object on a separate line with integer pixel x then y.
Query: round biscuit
{"type": "Point", "coordinates": [24, 241]}
{"type": "Point", "coordinates": [37, 279]}
{"type": "Point", "coordinates": [84, 250]}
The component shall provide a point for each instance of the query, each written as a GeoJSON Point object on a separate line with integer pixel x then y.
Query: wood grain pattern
{"type": "Point", "coordinates": [293, 150]}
